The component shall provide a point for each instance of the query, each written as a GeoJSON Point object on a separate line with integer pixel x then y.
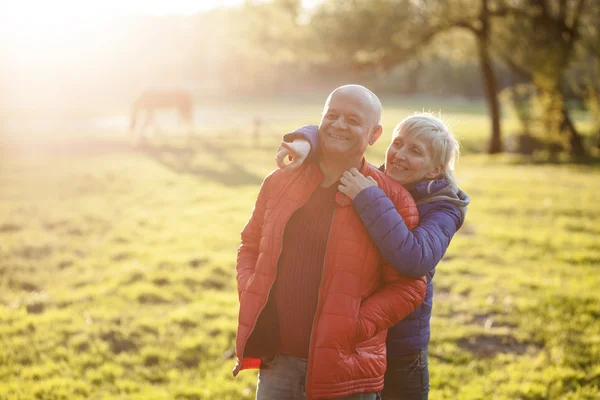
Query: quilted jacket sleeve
{"type": "Point", "coordinates": [249, 248]}
{"type": "Point", "coordinates": [393, 302]}
{"type": "Point", "coordinates": [398, 296]}
{"type": "Point", "coordinates": [412, 253]}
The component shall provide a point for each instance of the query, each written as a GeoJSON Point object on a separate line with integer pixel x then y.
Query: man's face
{"type": "Point", "coordinates": [347, 125]}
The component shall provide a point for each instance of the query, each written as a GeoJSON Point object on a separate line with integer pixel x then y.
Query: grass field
{"type": "Point", "coordinates": [117, 271]}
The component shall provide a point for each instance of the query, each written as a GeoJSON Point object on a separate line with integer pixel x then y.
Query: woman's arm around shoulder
{"type": "Point", "coordinates": [414, 252]}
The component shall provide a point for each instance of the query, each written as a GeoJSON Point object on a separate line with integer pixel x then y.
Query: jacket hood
{"type": "Point", "coordinates": [430, 191]}
{"type": "Point", "coordinates": [444, 189]}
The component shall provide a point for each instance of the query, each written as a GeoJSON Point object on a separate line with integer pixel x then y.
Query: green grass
{"type": "Point", "coordinates": [117, 272]}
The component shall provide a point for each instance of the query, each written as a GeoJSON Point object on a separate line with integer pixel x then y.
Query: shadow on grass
{"type": "Point", "coordinates": [588, 161]}
{"type": "Point", "coordinates": [181, 161]}
{"type": "Point", "coordinates": [83, 147]}
{"type": "Point", "coordinates": [484, 346]}
{"type": "Point", "coordinates": [180, 157]}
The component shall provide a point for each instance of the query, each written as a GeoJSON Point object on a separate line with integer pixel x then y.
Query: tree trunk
{"type": "Point", "coordinates": [490, 83]}
{"type": "Point", "coordinates": [491, 97]}
{"type": "Point", "coordinates": [576, 147]}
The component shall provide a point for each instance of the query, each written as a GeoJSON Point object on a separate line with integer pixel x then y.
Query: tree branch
{"type": "Point", "coordinates": [577, 16]}
{"type": "Point", "coordinates": [519, 70]}
{"type": "Point", "coordinates": [562, 10]}
{"type": "Point", "coordinates": [401, 54]}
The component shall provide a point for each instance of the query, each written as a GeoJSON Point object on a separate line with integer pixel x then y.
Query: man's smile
{"type": "Point", "coordinates": [398, 167]}
{"type": "Point", "coordinates": [337, 137]}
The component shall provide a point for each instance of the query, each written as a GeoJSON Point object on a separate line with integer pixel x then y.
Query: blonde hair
{"type": "Point", "coordinates": [444, 146]}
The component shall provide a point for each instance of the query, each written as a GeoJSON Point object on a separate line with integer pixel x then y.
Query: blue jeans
{"type": "Point", "coordinates": [407, 377]}
{"type": "Point", "coordinates": [284, 379]}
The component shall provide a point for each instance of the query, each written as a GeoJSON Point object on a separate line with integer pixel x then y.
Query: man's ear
{"type": "Point", "coordinates": [375, 134]}
{"type": "Point", "coordinates": [434, 173]}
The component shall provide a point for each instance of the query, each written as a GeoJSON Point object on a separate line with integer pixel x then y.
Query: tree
{"type": "Point", "coordinates": [385, 33]}
{"type": "Point", "coordinates": [584, 78]}
{"type": "Point", "coordinates": [480, 26]}
{"type": "Point", "coordinates": [539, 41]}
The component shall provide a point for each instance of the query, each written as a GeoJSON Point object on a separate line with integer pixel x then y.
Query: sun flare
{"type": "Point", "coordinates": [37, 23]}
{"type": "Point", "coordinates": [32, 26]}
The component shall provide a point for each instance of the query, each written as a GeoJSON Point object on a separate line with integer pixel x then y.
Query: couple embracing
{"type": "Point", "coordinates": [339, 255]}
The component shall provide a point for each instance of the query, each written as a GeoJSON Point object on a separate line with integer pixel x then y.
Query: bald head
{"type": "Point", "coordinates": [370, 103]}
{"type": "Point", "coordinates": [349, 125]}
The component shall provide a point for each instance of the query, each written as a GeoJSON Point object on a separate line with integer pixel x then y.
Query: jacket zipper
{"type": "Point", "coordinates": [276, 270]}
{"type": "Point", "coordinates": [310, 348]}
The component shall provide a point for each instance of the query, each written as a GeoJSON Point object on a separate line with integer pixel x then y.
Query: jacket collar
{"type": "Point", "coordinates": [316, 177]}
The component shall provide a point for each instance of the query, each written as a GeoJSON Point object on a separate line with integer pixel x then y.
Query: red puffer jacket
{"type": "Point", "coordinates": [359, 296]}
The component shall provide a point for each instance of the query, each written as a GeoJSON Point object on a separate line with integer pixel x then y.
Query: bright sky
{"type": "Point", "coordinates": [23, 19]}
{"type": "Point", "coordinates": [35, 16]}
{"type": "Point", "coordinates": [38, 25]}
{"type": "Point", "coordinates": [39, 38]}
{"type": "Point", "coordinates": [166, 7]}
{"type": "Point", "coordinates": [118, 7]}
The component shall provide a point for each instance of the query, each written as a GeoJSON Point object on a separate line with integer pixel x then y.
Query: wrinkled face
{"type": "Point", "coordinates": [409, 160]}
{"type": "Point", "coordinates": [346, 125]}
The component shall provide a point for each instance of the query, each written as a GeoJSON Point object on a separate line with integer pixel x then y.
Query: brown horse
{"type": "Point", "coordinates": [152, 101]}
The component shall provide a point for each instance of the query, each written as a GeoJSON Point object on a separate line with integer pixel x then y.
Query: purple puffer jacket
{"type": "Point", "coordinates": [442, 209]}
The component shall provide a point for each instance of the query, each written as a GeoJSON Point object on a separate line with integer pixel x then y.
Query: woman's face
{"type": "Point", "coordinates": [409, 160]}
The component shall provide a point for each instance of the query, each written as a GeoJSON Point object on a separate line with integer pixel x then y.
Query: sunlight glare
{"type": "Point", "coordinates": [34, 22]}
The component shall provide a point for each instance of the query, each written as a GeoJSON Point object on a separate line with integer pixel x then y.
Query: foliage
{"type": "Point", "coordinates": [541, 41]}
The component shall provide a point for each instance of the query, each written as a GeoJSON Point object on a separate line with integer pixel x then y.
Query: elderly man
{"type": "Point", "coordinates": [316, 297]}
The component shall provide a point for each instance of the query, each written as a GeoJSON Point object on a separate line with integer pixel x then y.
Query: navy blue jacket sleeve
{"type": "Point", "coordinates": [307, 132]}
{"type": "Point", "coordinates": [412, 253]}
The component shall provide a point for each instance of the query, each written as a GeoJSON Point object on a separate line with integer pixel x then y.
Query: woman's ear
{"type": "Point", "coordinates": [435, 172]}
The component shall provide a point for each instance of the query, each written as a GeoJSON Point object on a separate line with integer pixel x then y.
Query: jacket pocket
{"type": "Point", "coordinates": [364, 345]}
{"type": "Point", "coordinates": [360, 332]}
